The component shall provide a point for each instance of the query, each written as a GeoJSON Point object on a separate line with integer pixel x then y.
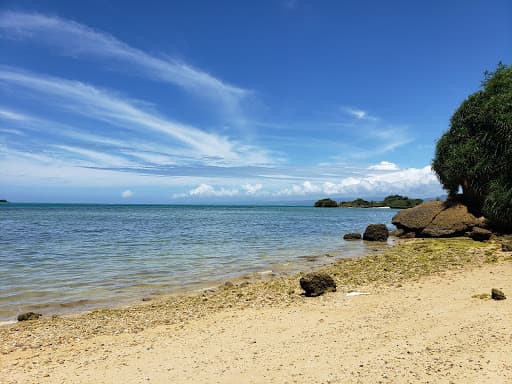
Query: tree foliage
{"type": "Point", "coordinates": [475, 154]}
{"type": "Point", "coordinates": [326, 203]}
{"type": "Point", "coordinates": [398, 201]}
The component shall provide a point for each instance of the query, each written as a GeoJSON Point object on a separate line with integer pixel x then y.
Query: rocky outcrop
{"type": "Point", "coordinates": [316, 284]}
{"type": "Point", "coordinates": [441, 219]}
{"type": "Point", "coordinates": [352, 236]}
{"type": "Point", "coordinates": [480, 234]}
{"type": "Point", "coordinates": [417, 218]}
{"type": "Point", "coordinates": [376, 232]}
{"type": "Point", "coordinates": [452, 221]}
{"type": "Point", "coordinates": [29, 316]}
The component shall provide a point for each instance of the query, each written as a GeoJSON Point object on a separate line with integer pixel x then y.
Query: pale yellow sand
{"type": "Point", "coordinates": [427, 331]}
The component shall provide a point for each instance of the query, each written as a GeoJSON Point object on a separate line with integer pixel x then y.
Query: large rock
{"type": "Point", "coordinates": [454, 220]}
{"type": "Point", "coordinates": [352, 236]}
{"type": "Point", "coordinates": [376, 232]}
{"type": "Point", "coordinates": [315, 284]}
{"type": "Point", "coordinates": [417, 218]}
{"type": "Point", "coordinates": [480, 234]}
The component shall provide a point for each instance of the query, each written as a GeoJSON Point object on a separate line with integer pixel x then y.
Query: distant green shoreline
{"type": "Point", "coordinates": [391, 201]}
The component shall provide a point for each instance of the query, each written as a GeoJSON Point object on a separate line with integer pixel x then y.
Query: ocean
{"type": "Point", "coordinates": [58, 258]}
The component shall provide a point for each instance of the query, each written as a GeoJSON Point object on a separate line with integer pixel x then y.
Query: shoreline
{"type": "Point", "coordinates": [408, 259]}
{"type": "Point", "coordinates": [301, 264]}
{"type": "Point", "coordinates": [423, 295]}
{"type": "Point", "coordinates": [425, 292]}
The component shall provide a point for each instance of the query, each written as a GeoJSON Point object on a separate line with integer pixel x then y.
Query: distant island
{"type": "Point", "coordinates": [391, 201]}
{"type": "Point", "coordinates": [3, 201]}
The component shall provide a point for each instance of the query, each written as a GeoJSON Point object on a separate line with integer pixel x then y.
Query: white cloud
{"type": "Point", "coordinates": [77, 40]}
{"type": "Point", "coordinates": [100, 159]}
{"type": "Point", "coordinates": [25, 169]}
{"type": "Point", "coordinates": [384, 166]}
{"type": "Point", "coordinates": [251, 189]}
{"type": "Point", "coordinates": [206, 190]}
{"type": "Point", "coordinates": [299, 190]}
{"type": "Point", "coordinates": [103, 105]}
{"type": "Point", "coordinates": [416, 180]}
{"type": "Point", "coordinates": [10, 115]}
{"type": "Point", "coordinates": [11, 131]}
{"type": "Point", "coordinates": [127, 194]}
{"type": "Point", "coordinates": [359, 114]}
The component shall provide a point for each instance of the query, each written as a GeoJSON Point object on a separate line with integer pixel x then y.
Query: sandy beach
{"type": "Point", "coordinates": [426, 319]}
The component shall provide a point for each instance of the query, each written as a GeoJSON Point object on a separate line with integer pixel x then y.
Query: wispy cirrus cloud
{"type": "Point", "coordinates": [100, 104]}
{"type": "Point", "coordinates": [359, 114]}
{"type": "Point", "coordinates": [75, 39]}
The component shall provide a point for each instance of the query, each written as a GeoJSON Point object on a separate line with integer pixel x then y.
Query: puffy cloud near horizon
{"type": "Point", "coordinates": [411, 180]}
{"type": "Point", "coordinates": [206, 190]}
{"type": "Point", "coordinates": [384, 166]}
{"type": "Point", "coordinates": [127, 194]}
{"type": "Point", "coordinates": [251, 189]}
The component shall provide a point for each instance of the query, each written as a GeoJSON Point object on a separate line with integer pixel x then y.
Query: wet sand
{"type": "Point", "coordinates": [423, 321]}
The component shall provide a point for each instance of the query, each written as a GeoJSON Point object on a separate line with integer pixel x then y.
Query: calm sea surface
{"type": "Point", "coordinates": [58, 258]}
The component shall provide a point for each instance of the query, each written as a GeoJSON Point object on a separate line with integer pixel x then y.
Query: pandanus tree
{"type": "Point", "coordinates": [475, 154]}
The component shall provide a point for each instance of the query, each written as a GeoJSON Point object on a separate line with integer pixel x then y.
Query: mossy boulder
{"type": "Point", "coordinates": [316, 284]}
{"type": "Point", "coordinates": [376, 232]}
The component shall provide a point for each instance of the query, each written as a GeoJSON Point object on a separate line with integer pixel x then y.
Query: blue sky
{"type": "Point", "coordinates": [234, 101]}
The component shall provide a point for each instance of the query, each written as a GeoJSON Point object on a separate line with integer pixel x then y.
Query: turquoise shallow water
{"type": "Point", "coordinates": [58, 257]}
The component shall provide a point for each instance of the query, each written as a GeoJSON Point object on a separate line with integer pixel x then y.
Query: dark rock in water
{"type": "Point", "coordinates": [352, 236]}
{"type": "Point", "coordinates": [497, 294]}
{"type": "Point", "coordinates": [452, 221]}
{"type": "Point", "coordinates": [376, 232]}
{"type": "Point", "coordinates": [480, 234]}
{"type": "Point", "coordinates": [315, 284]}
{"type": "Point", "coordinates": [29, 316]}
{"type": "Point", "coordinates": [506, 247]}
{"type": "Point", "coordinates": [417, 218]}
{"type": "Point", "coordinates": [146, 299]}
